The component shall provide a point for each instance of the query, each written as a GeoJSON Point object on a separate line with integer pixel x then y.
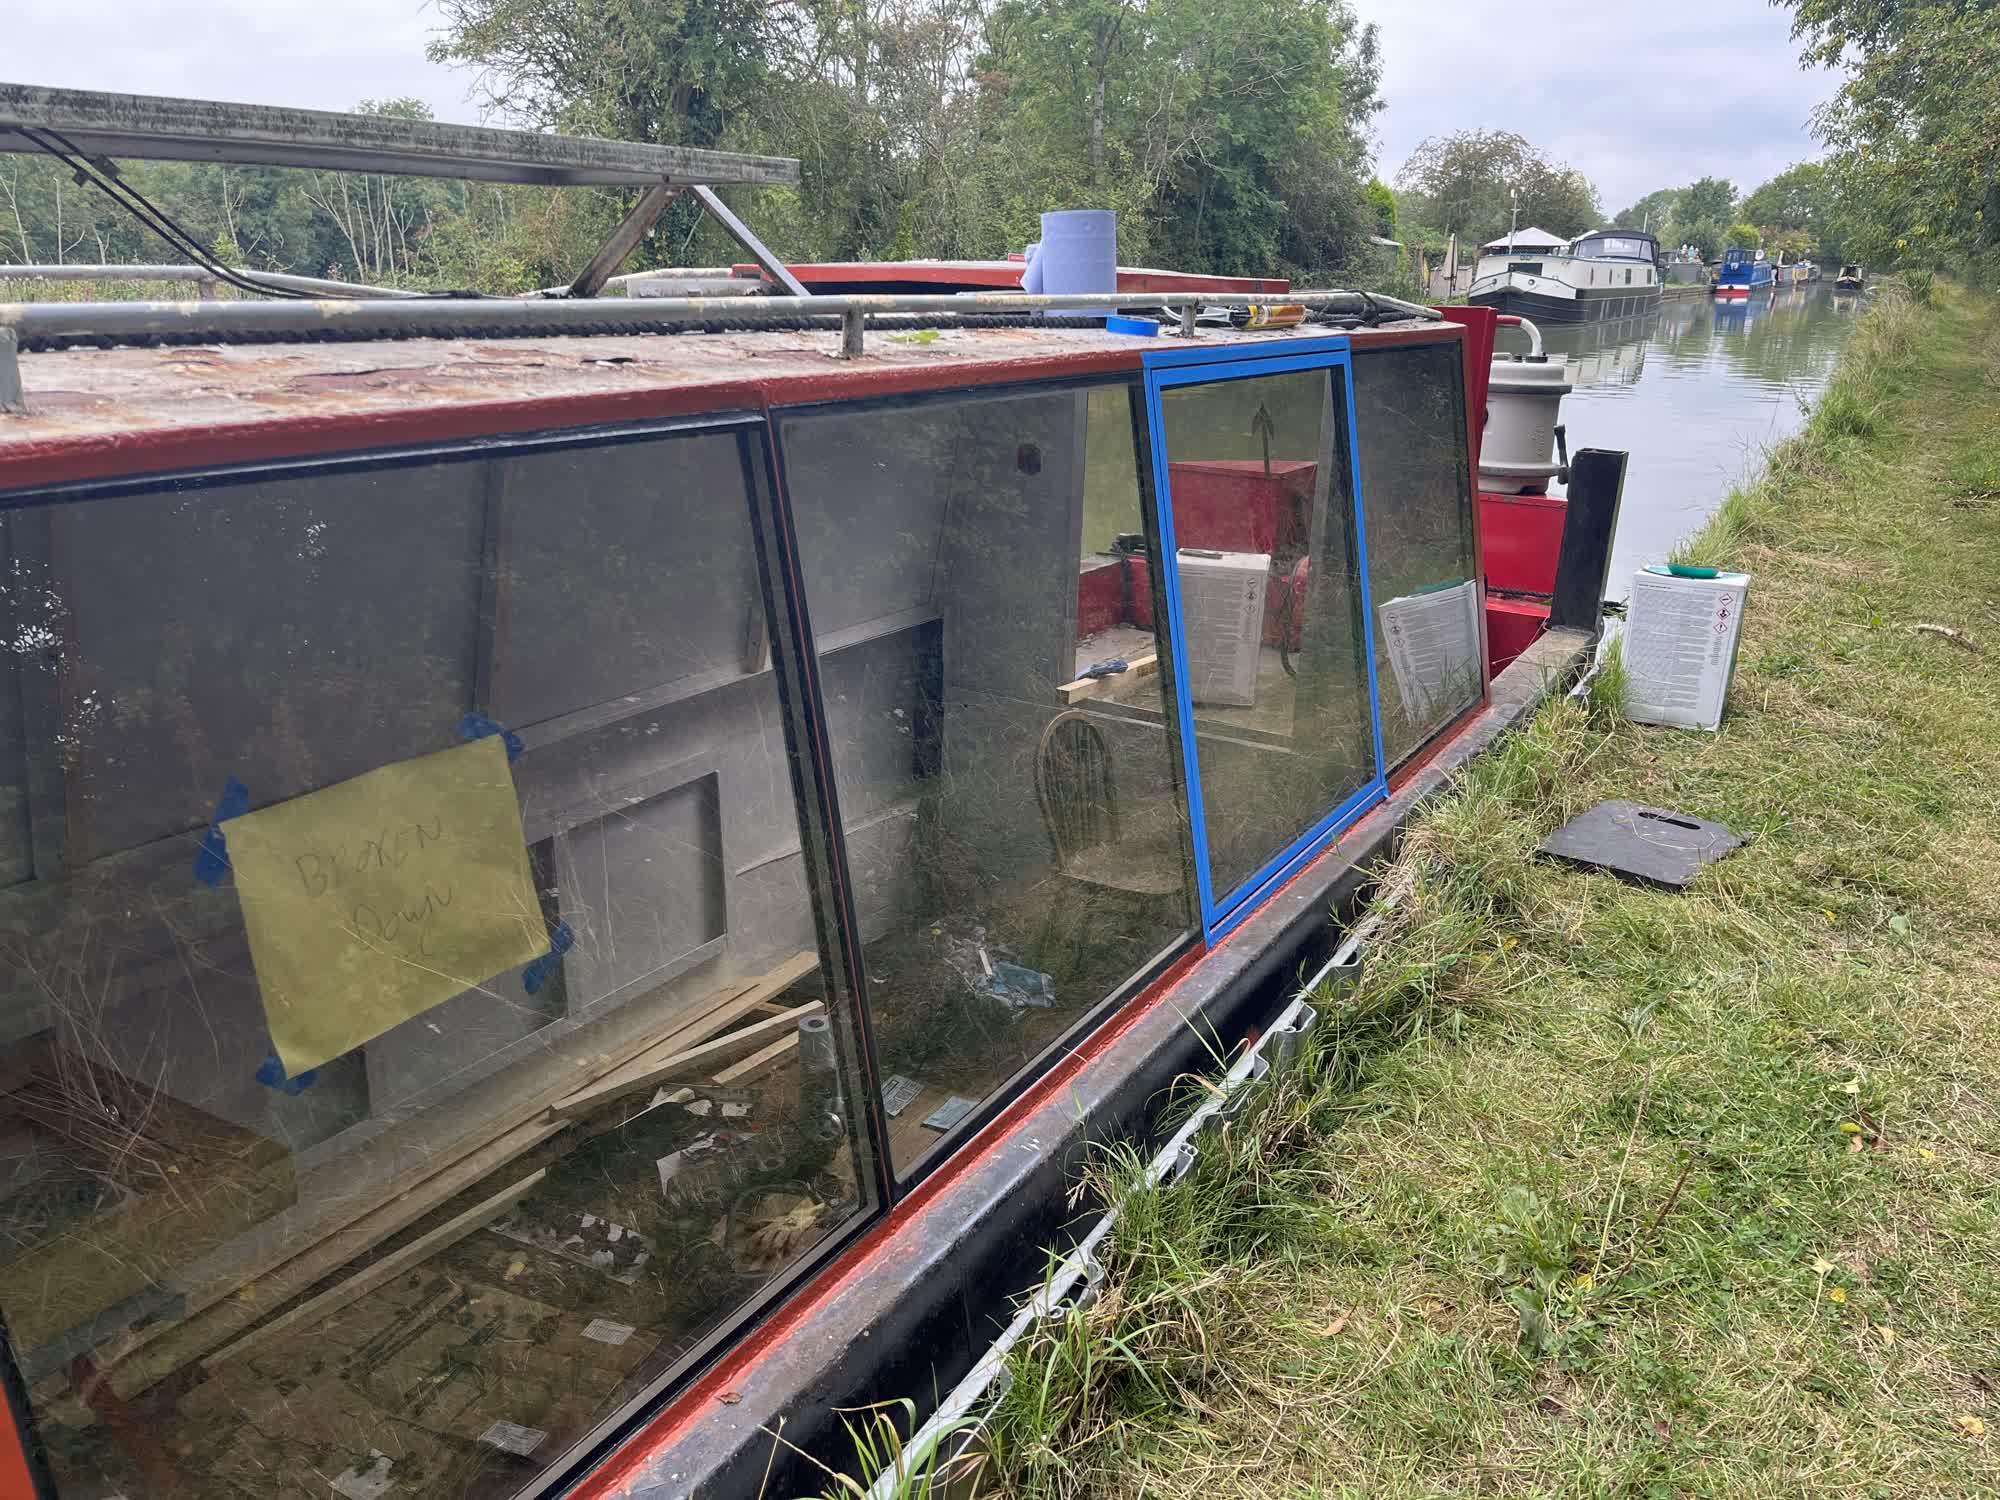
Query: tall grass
{"type": "Point", "coordinates": [52, 290]}
{"type": "Point", "coordinates": [1592, 1190]}
{"type": "Point", "coordinates": [1850, 411]}
{"type": "Point", "coordinates": [1189, 1265]}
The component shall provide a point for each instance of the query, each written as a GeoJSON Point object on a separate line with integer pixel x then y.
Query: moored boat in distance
{"type": "Point", "coordinates": [1684, 274]}
{"type": "Point", "coordinates": [1744, 272]}
{"type": "Point", "coordinates": [1608, 273]}
{"type": "Point", "coordinates": [1850, 279]}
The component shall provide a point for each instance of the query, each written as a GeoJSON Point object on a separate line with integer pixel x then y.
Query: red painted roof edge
{"type": "Point", "coordinates": [1006, 275]}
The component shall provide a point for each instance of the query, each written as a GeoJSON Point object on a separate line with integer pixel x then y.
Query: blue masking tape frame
{"type": "Point", "coordinates": [537, 974]}
{"type": "Point", "coordinates": [476, 726]}
{"type": "Point", "coordinates": [271, 1073]}
{"type": "Point", "coordinates": [1164, 370]}
{"type": "Point", "coordinates": [211, 861]}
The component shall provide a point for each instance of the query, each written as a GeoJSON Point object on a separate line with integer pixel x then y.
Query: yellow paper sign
{"type": "Point", "coordinates": [372, 900]}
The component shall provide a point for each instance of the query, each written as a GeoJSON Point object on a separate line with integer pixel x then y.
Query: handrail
{"type": "Point", "coordinates": [443, 317]}
{"type": "Point", "coordinates": [1515, 320]}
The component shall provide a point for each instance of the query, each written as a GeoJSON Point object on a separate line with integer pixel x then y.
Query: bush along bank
{"type": "Point", "coordinates": [1587, 1189]}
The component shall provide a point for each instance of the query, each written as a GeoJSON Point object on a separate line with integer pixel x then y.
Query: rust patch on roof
{"type": "Point", "coordinates": [139, 409]}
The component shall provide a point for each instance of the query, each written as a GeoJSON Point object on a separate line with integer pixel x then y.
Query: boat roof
{"type": "Point", "coordinates": [93, 412]}
{"type": "Point", "coordinates": [1617, 234]}
{"type": "Point", "coordinates": [1530, 238]}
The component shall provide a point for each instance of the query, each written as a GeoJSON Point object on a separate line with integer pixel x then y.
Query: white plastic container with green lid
{"type": "Point", "coordinates": [1681, 632]}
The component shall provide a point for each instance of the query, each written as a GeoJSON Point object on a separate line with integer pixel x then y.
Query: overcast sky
{"type": "Point", "coordinates": [1637, 95]}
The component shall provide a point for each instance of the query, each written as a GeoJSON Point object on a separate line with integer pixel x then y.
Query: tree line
{"type": "Point", "coordinates": [1230, 135]}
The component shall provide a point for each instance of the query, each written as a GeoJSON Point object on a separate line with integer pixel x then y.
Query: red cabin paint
{"type": "Point", "coordinates": [862, 276]}
{"type": "Point", "coordinates": [1101, 589]}
{"type": "Point", "coordinates": [1523, 538]}
{"type": "Point", "coordinates": [1512, 626]}
{"type": "Point", "coordinates": [1241, 505]}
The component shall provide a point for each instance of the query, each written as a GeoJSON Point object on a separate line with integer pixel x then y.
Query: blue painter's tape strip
{"type": "Point", "coordinates": [476, 726]}
{"type": "Point", "coordinates": [537, 973]}
{"type": "Point", "coordinates": [271, 1073]}
{"type": "Point", "coordinates": [211, 861]}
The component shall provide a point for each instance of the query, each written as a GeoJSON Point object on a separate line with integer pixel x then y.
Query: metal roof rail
{"type": "Point", "coordinates": [40, 322]}
{"type": "Point", "coordinates": [53, 325]}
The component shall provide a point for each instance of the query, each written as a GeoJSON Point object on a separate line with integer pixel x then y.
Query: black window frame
{"type": "Point", "coordinates": [795, 674]}
{"type": "Point", "coordinates": [1017, 1083]}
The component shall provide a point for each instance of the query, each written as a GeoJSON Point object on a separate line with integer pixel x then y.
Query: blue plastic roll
{"type": "Point", "coordinates": [1079, 254]}
{"type": "Point", "coordinates": [1031, 278]}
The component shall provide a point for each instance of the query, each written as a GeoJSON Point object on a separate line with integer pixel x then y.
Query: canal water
{"type": "Point", "coordinates": [1696, 392]}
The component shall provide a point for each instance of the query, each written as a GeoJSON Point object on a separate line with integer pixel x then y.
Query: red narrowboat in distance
{"type": "Point", "coordinates": [581, 871]}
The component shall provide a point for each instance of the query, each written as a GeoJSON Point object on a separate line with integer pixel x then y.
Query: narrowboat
{"type": "Point", "coordinates": [1850, 279]}
{"type": "Point", "coordinates": [1609, 273]}
{"type": "Point", "coordinates": [581, 871]}
{"type": "Point", "coordinates": [1743, 272]}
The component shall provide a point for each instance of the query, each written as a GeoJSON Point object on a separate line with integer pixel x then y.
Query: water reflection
{"type": "Point", "coordinates": [1612, 352]}
{"type": "Point", "coordinates": [1696, 391]}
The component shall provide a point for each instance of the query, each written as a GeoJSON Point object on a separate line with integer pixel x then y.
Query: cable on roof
{"type": "Point", "coordinates": [502, 328]}
{"type": "Point", "coordinates": [103, 175]}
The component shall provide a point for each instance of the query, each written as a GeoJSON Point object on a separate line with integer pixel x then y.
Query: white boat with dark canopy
{"type": "Point", "coordinates": [1608, 273]}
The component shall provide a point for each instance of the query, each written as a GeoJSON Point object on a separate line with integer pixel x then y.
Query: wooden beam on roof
{"type": "Point", "coordinates": [156, 128]}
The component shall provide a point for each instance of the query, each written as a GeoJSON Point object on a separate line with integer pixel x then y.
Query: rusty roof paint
{"type": "Point", "coordinates": [85, 401]}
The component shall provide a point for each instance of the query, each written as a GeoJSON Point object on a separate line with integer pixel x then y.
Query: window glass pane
{"type": "Point", "coordinates": [1017, 847]}
{"type": "Point", "coordinates": [1263, 524]}
{"type": "Point", "coordinates": [1110, 480]}
{"type": "Point", "coordinates": [1409, 406]}
{"type": "Point", "coordinates": [328, 1165]}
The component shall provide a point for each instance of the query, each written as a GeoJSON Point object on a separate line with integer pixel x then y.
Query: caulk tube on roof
{"type": "Point", "coordinates": [1078, 254]}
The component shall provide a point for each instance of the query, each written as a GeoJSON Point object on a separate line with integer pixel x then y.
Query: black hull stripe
{"type": "Point", "coordinates": [1588, 307]}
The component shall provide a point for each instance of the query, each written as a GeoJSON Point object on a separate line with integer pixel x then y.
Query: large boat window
{"type": "Point", "coordinates": [413, 1035]}
{"type": "Point", "coordinates": [1615, 247]}
{"type": "Point", "coordinates": [1410, 433]}
{"type": "Point", "coordinates": [1266, 568]}
{"type": "Point", "coordinates": [1015, 830]}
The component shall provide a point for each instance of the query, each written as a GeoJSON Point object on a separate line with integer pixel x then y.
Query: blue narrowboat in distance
{"type": "Point", "coordinates": [1744, 272]}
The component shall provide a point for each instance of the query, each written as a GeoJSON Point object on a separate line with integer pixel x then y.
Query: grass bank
{"type": "Point", "coordinates": [1594, 1191]}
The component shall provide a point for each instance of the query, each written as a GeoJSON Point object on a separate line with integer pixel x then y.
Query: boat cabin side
{"type": "Point", "coordinates": [521, 852]}
{"type": "Point", "coordinates": [1630, 249]}
{"type": "Point", "coordinates": [1742, 266]}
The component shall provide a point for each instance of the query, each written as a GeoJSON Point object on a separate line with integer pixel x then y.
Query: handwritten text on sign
{"type": "Point", "coordinates": [370, 901]}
